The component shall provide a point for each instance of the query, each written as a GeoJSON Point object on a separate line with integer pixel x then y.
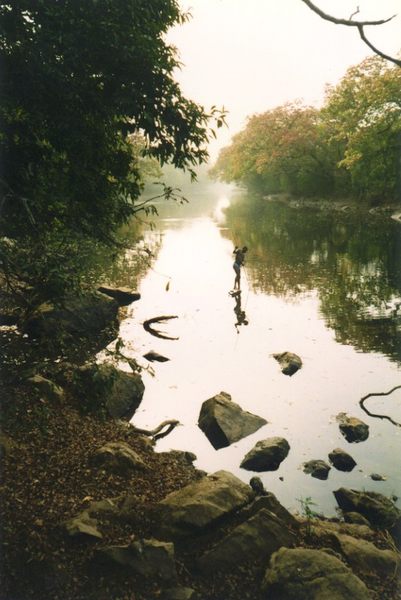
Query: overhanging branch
{"type": "Point", "coordinates": [359, 25]}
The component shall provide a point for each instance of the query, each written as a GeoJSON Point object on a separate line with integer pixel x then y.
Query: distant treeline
{"type": "Point", "coordinates": [350, 147]}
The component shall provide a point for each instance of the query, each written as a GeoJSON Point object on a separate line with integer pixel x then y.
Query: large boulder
{"type": "Point", "coordinates": [304, 574]}
{"type": "Point", "coordinates": [266, 455]}
{"type": "Point", "coordinates": [380, 511]}
{"type": "Point", "coordinates": [200, 505]}
{"type": "Point", "coordinates": [86, 317]}
{"type": "Point", "coordinates": [317, 468]}
{"type": "Point", "coordinates": [122, 295]}
{"type": "Point", "coordinates": [105, 387]}
{"type": "Point", "coordinates": [118, 457]}
{"type": "Point", "coordinates": [151, 559]}
{"type": "Point", "coordinates": [325, 531]}
{"type": "Point", "coordinates": [255, 539]}
{"type": "Point", "coordinates": [364, 557]}
{"type": "Point", "coordinates": [354, 430]}
{"type": "Point", "coordinates": [341, 460]}
{"type": "Point", "coordinates": [289, 362]}
{"type": "Point", "coordinates": [224, 422]}
{"type": "Point", "coordinates": [269, 502]}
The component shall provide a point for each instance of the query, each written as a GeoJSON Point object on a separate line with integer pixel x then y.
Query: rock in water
{"type": "Point", "coordinates": [266, 455]}
{"type": "Point", "coordinates": [155, 356]}
{"type": "Point", "coordinates": [290, 363]}
{"type": "Point", "coordinates": [224, 422]}
{"type": "Point", "coordinates": [354, 430]}
{"type": "Point", "coordinates": [317, 468]}
{"type": "Point", "coordinates": [380, 511]}
{"type": "Point", "coordinates": [341, 460]}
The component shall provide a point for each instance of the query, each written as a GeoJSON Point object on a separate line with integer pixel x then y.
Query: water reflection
{"type": "Point", "coordinates": [240, 315]}
{"type": "Point", "coordinates": [351, 259]}
{"type": "Point", "coordinates": [310, 286]}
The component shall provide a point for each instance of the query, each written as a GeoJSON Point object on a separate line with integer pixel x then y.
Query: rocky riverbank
{"type": "Point", "coordinates": [91, 510]}
{"type": "Point", "coordinates": [78, 521]}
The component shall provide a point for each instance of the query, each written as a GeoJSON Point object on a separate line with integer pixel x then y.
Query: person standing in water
{"type": "Point", "coordinates": [239, 261]}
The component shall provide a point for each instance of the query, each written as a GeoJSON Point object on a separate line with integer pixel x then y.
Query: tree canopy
{"type": "Point", "coordinates": [351, 146]}
{"type": "Point", "coordinates": [79, 80]}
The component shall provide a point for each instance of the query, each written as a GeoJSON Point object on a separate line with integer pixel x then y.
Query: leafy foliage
{"type": "Point", "coordinates": [363, 115]}
{"type": "Point", "coordinates": [349, 147]}
{"type": "Point", "coordinates": [87, 94]}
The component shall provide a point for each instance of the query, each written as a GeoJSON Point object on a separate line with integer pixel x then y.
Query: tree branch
{"type": "Point", "coordinates": [375, 50]}
{"type": "Point", "coordinates": [362, 405]}
{"type": "Point", "coordinates": [359, 24]}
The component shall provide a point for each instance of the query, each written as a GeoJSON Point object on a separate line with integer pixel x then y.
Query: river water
{"type": "Point", "coordinates": [325, 285]}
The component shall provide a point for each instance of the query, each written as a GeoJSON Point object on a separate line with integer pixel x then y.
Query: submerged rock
{"type": "Point", "coordinates": [266, 455]}
{"type": "Point", "coordinates": [289, 362]}
{"type": "Point", "coordinates": [354, 430]}
{"type": "Point", "coordinates": [224, 422]}
{"type": "Point", "coordinates": [317, 468]}
{"type": "Point", "coordinates": [341, 460]}
{"type": "Point", "coordinates": [304, 574]}
{"type": "Point", "coordinates": [377, 477]}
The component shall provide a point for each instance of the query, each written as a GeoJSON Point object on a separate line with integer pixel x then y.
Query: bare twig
{"type": "Point", "coordinates": [359, 25]}
{"type": "Point", "coordinates": [356, 12]}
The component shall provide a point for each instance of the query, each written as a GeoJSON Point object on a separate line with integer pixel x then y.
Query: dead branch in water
{"type": "Point", "coordinates": [362, 400]}
{"type": "Point", "coordinates": [147, 326]}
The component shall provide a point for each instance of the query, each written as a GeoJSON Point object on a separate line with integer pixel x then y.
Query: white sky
{"type": "Point", "coordinates": [252, 55]}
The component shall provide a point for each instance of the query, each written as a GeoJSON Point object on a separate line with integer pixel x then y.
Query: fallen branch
{"type": "Point", "coordinates": [147, 326]}
{"type": "Point", "coordinates": [154, 433]}
{"type": "Point", "coordinates": [362, 400]}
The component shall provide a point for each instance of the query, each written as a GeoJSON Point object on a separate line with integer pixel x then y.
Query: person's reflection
{"type": "Point", "coordinates": [239, 313]}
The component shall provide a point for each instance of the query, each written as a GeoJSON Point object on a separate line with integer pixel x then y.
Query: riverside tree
{"type": "Point", "coordinates": [350, 147]}
{"type": "Point", "coordinates": [79, 80]}
{"type": "Point", "coordinates": [281, 150]}
{"type": "Point", "coordinates": [363, 118]}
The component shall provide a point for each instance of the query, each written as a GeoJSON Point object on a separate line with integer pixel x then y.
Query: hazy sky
{"type": "Point", "coordinates": [253, 55]}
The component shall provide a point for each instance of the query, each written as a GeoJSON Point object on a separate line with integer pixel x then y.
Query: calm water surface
{"type": "Point", "coordinates": [325, 286]}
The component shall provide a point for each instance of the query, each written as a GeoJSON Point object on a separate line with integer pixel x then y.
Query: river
{"type": "Point", "coordinates": [325, 285]}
